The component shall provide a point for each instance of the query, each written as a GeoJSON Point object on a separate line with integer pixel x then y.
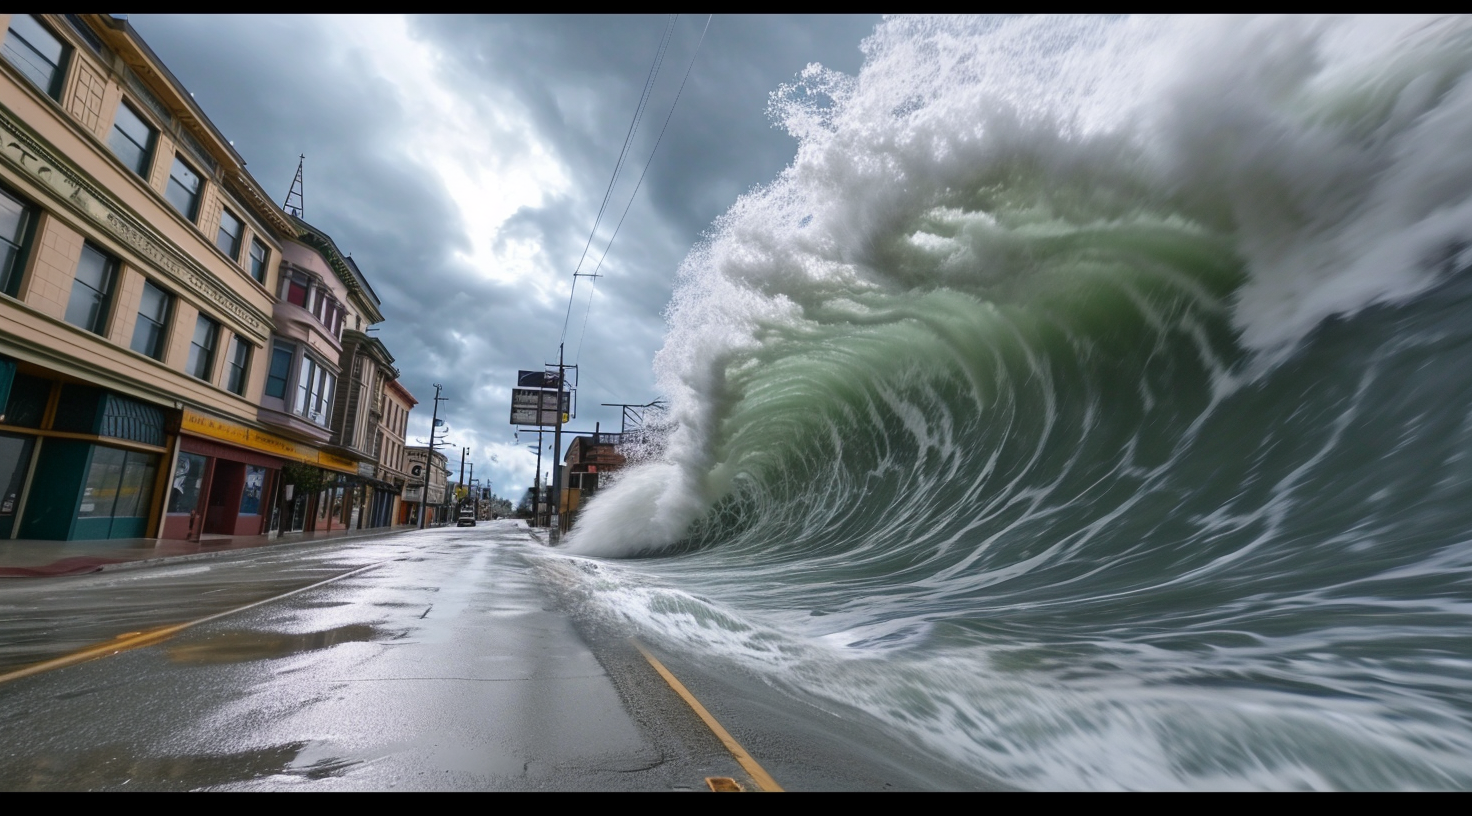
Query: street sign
{"type": "Point", "coordinates": [535, 406]}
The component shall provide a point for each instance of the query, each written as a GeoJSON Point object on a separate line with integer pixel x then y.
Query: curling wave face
{"type": "Point", "coordinates": [1088, 403]}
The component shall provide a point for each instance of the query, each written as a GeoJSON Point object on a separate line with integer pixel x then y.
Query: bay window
{"type": "Point", "coordinates": [280, 371]}
{"type": "Point", "coordinates": [314, 385]}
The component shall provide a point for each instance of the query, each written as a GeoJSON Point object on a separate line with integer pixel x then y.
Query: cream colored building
{"type": "Point", "coordinates": [141, 303]}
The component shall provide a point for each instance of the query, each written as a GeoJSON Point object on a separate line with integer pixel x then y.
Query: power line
{"type": "Point", "coordinates": [649, 81]}
{"type": "Point", "coordinates": [640, 183]}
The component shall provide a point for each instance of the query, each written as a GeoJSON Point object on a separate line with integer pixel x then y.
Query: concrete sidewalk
{"type": "Point", "coordinates": [29, 558]}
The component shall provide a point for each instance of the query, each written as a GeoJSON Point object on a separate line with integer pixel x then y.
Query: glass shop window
{"type": "Point", "coordinates": [188, 479]}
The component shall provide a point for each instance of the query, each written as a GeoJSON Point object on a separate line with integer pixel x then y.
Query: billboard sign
{"type": "Point", "coordinates": [536, 379]}
{"type": "Point", "coordinates": [535, 406]}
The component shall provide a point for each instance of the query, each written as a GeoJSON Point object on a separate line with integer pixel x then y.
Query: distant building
{"type": "Point", "coordinates": [439, 476]}
{"type": "Point", "coordinates": [587, 459]}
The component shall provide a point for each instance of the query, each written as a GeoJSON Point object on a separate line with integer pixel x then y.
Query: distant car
{"type": "Point", "coordinates": [467, 519]}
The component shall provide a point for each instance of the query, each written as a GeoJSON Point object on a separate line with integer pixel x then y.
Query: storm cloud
{"type": "Point", "coordinates": [462, 162]}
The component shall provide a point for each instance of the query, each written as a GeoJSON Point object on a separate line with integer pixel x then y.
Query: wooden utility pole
{"type": "Point", "coordinates": [434, 423]}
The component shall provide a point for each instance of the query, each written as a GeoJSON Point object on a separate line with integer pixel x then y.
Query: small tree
{"type": "Point", "coordinates": [307, 478]}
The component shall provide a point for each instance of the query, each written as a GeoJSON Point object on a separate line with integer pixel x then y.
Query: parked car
{"type": "Point", "coordinates": [467, 519]}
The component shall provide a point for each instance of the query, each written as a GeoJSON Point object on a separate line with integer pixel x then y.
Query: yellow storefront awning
{"type": "Point", "coordinates": [246, 437]}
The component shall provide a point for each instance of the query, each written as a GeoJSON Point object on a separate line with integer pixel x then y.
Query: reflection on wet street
{"type": "Point", "coordinates": [242, 645]}
{"type": "Point", "coordinates": [443, 667]}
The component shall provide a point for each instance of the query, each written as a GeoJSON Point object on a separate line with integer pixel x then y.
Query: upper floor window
{"type": "Point", "coordinates": [36, 52]}
{"type": "Point", "coordinates": [85, 33]}
{"type": "Point", "coordinates": [258, 257]}
{"type": "Point", "coordinates": [183, 190]}
{"type": "Point", "coordinates": [91, 290]}
{"type": "Point", "coordinates": [202, 348]}
{"type": "Point", "coordinates": [228, 238]}
{"type": "Point", "coordinates": [329, 313]}
{"type": "Point", "coordinates": [237, 363]}
{"type": "Point", "coordinates": [153, 318]}
{"type": "Point", "coordinates": [280, 371]}
{"type": "Point", "coordinates": [295, 287]}
{"type": "Point", "coordinates": [17, 220]}
{"type": "Point", "coordinates": [132, 139]}
{"type": "Point", "coordinates": [314, 385]}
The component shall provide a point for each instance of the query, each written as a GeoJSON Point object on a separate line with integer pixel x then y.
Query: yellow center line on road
{"type": "Point", "coordinates": [149, 637]}
{"type": "Point", "coordinates": [763, 779]}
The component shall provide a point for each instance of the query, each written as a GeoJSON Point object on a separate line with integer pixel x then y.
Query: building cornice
{"type": "Point", "coordinates": [124, 41]}
{"type": "Point", "coordinates": [323, 245]}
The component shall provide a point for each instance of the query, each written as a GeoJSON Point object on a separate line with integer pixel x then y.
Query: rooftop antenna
{"type": "Point", "coordinates": [298, 209]}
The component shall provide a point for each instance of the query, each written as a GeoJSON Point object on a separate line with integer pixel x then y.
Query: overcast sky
{"type": "Point", "coordinates": [462, 162]}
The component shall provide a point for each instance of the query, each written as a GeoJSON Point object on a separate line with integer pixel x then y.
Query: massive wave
{"type": "Point", "coordinates": [1089, 402]}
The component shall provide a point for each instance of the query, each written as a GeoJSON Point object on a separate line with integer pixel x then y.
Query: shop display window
{"type": "Point", "coordinates": [188, 479]}
{"type": "Point", "coordinates": [255, 483]}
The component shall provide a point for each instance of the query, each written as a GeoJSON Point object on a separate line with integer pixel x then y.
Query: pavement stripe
{"type": "Point", "coordinates": [135, 640]}
{"type": "Point", "coordinates": [758, 774]}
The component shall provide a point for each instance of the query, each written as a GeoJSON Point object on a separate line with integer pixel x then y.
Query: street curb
{"type": "Point", "coordinates": [153, 562]}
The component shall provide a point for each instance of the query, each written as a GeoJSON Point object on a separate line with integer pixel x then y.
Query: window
{"type": "Point", "coordinates": [91, 290]}
{"type": "Point", "coordinates": [280, 370]}
{"type": "Point", "coordinates": [255, 483]}
{"type": "Point", "coordinates": [228, 238]}
{"type": "Point", "coordinates": [119, 484]}
{"type": "Point", "coordinates": [16, 222]}
{"type": "Point", "coordinates": [295, 287]}
{"type": "Point", "coordinates": [188, 479]}
{"type": "Point", "coordinates": [153, 317]}
{"type": "Point", "coordinates": [314, 384]}
{"type": "Point", "coordinates": [132, 139]}
{"type": "Point", "coordinates": [258, 256]}
{"type": "Point", "coordinates": [237, 362]}
{"type": "Point", "coordinates": [36, 52]}
{"type": "Point", "coordinates": [183, 190]}
{"type": "Point", "coordinates": [202, 348]}
{"type": "Point", "coordinates": [329, 313]}
{"type": "Point", "coordinates": [85, 33]}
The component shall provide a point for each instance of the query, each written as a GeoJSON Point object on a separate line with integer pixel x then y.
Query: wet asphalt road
{"type": "Point", "coordinates": [444, 667]}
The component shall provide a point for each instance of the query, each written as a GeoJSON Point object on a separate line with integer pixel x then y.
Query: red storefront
{"type": "Point", "coordinates": [220, 490]}
{"type": "Point", "coordinates": [227, 478]}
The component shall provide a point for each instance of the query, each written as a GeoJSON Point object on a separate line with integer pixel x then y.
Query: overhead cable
{"type": "Point", "coordinates": [649, 81]}
{"type": "Point", "coordinates": [639, 184]}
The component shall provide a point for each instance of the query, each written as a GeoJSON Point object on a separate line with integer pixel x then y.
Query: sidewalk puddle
{"type": "Point", "coordinates": [239, 646]}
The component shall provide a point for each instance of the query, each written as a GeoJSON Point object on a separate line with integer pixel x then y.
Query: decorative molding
{"type": "Point", "coordinates": [243, 185]}
{"type": "Point", "coordinates": [26, 153]}
{"type": "Point", "coordinates": [324, 247]}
